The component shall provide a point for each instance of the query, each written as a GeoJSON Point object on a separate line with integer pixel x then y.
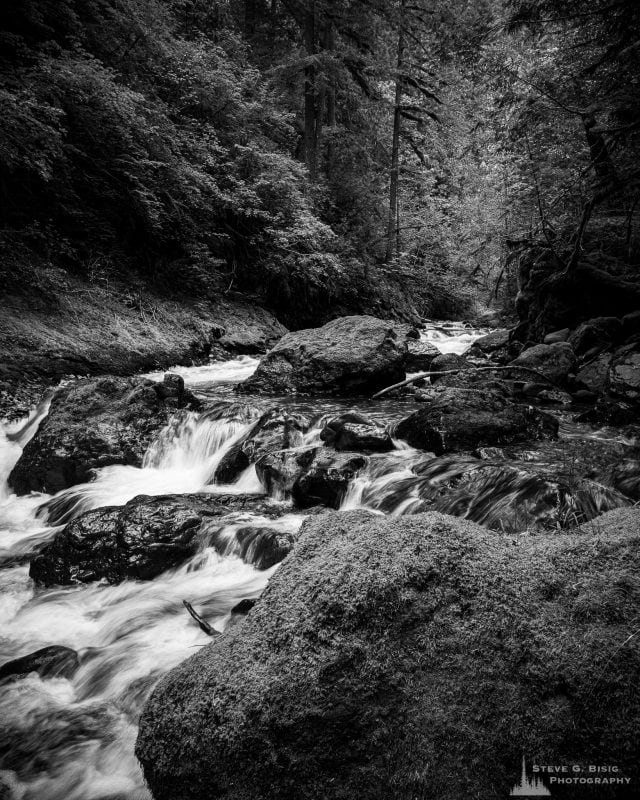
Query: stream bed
{"type": "Point", "coordinates": [73, 738]}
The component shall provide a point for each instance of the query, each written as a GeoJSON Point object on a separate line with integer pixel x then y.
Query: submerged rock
{"type": "Point", "coordinates": [411, 657]}
{"type": "Point", "coordinates": [348, 355]}
{"type": "Point", "coordinates": [49, 662]}
{"type": "Point", "coordinates": [139, 540]}
{"type": "Point", "coordinates": [465, 419]}
{"type": "Point", "coordinates": [95, 423]}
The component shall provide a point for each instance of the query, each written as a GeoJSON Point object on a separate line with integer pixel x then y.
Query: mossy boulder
{"type": "Point", "coordinates": [358, 354]}
{"type": "Point", "coordinates": [94, 423]}
{"type": "Point", "coordinates": [411, 658]}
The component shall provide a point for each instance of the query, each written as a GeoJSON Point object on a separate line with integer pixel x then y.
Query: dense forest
{"type": "Point", "coordinates": [405, 157]}
{"type": "Point", "coordinates": [319, 399]}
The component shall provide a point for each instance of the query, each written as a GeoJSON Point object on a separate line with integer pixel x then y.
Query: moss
{"type": "Point", "coordinates": [408, 658]}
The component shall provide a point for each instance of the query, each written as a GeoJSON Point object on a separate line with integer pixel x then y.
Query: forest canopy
{"type": "Point", "coordinates": [325, 155]}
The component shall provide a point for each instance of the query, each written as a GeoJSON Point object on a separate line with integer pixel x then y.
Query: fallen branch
{"type": "Point", "coordinates": [420, 376]}
{"type": "Point", "coordinates": [202, 623]}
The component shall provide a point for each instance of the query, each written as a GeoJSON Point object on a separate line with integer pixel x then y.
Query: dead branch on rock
{"type": "Point", "coordinates": [423, 375]}
{"type": "Point", "coordinates": [202, 623]}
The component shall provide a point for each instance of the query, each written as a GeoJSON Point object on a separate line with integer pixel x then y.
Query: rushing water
{"type": "Point", "coordinates": [72, 739]}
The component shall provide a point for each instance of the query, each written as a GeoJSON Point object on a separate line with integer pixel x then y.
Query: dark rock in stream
{"type": "Point", "coordinates": [49, 662]}
{"type": "Point", "coordinates": [95, 423]}
{"type": "Point", "coordinates": [553, 361]}
{"type": "Point", "coordinates": [420, 355]}
{"type": "Point", "coordinates": [348, 355]}
{"type": "Point", "coordinates": [355, 432]}
{"type": "Point", "coordinates": [139, 540]}
{"type": "Point", "coordinates": [465, 419]}
{"type": "Point", "coordinates": [275, 430]}
{"type": "Point", "coordinates": [311, 476]}
{"type": "Point", "coordinates": [428, 638]}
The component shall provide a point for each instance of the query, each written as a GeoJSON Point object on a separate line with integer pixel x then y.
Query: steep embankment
{"type": "Point", "coordinates": [92, 330]}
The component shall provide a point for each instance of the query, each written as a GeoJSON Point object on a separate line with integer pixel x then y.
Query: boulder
{"type": "Point", "coordinates": [263, 547]}
{"type": "Point", "coordinates": [49, 662]}
{"type": "Point", "coordinates": [275, 430]}
{"type": "Point", "coordinates": [596, 335]}
{"type": "Point", "coordinates": [446, 362]}
{"type": "Point", "coordinates": [625, 476]}
{"type": "Point", "coordinates": [420, 355]}
{"type": "Point", "coordinates": [594, 375]}
{"type": "Point", "coordinates": [554, 361]}
{"type": "Point", "coordinates": [624, 373]}
{"type": "Point", "coordinates": [311, 476]}
{"type": "Point", "coordinates": [353, 431]}
{"type": "Point", "coordinates": [94, 423]}
{"type": "Point", "coordinates": [415, 657]}
{"type": "Point", "coordinates": [136, 541]}
{"type": "Point", "coordinates": [348, 355]}
{"type": "Point", "coordinates": [465, 419]}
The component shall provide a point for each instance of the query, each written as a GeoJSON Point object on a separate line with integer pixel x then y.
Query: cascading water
{"type": "Point", "coordinates": [72, 738]}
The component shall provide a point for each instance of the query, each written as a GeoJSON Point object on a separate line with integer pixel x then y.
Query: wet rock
{"type": "Point", "coordinates": [554, 397]}
{"type": "Point", "coordinates": [554, 361]}
{"type": "Point", "coordinates": [624, 373]}
{"type": "Point", "coordinates": [446, 362]}
{"type": "Point", "coordinates": [311, 476]}
{"type": "Point", "coordinates": [557, 336]}
{"type": "Point", "coordinates": [247, 329]}
{"type": "Point", "coordinates": [594, 375]}
{"type": "Point", "coordinates": [95, 423]}
{"type": "Point", "coordinates": [264, 547]}
{"type": "Point", "coordinates": [348, 355]}
{"type": "Point", "coordinates": [275, 430]}
{"type": "Point", "coordinates": [496, 346]}
{"type": "Point", "coordinates": [625, 476]}
{"type": "Point", "coordinates": [610, 412]}
{"type": "Point", "coordinates": [424, 637]}
{"type": "Point", "coordinates": [596, 335]}
{"type": "Point", "coordinates": [465, 419]}
{"type": "Point", "coordinates": [49, 662]}
{"type": "Point", "coordinates": [357, 433]}
{"type": "Point", "coordinates": [420, 355]}
{"type": "Point", "coordinates": [137, 541]}
{"type": "Point", "coordinates": [244, 606]}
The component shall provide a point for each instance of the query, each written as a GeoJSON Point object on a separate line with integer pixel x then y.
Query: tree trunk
{"type": "Point", "coordinates": [331, 103]}
{"type": "Point", "coordinates": [394, 182]}
{"type": "Point", "coordinates": [310, 133]}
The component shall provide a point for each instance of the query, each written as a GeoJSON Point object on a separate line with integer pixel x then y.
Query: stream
{"type": "Point", "coordinates": [73, 739]}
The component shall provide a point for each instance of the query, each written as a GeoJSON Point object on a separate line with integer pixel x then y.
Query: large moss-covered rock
{"type": "Point", "coordinates": [624, 373]}
{"type": "Point", "coordinates": [95, 423]}
{"type": "Point", "coordinates": [347, 355]}
{"type": "Point", "coordinates": [405, 658]}
{"type": "Point", "coordinates": [465, 419]}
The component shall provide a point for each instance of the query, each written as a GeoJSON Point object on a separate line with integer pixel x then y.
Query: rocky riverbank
{"type": "Point", "coordinates": [88, 330]}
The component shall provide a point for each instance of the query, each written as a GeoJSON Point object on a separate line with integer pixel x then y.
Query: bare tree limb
{"type": "Point", "coordinates": [202, 623]}
{"type": "Point", "coordinates": [422, 375]}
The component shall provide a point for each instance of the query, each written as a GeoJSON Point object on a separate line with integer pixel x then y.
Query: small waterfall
{"type": "Point", "coordinates": [182, 460]}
